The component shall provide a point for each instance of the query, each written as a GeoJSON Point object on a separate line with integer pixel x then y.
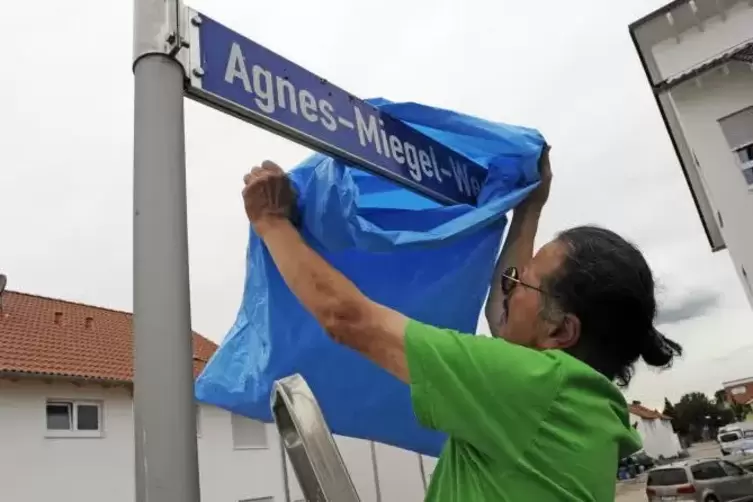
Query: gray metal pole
{"type": "Point", "coordinates": [422, 469]}
{"type": "Point", "coordinates": [284, 462]}
{"type": "Point", "coordinates": [375, 466]}
{"type": "Point", "coordinates": [164, 408]}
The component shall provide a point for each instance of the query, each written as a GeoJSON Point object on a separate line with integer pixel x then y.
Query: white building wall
{"type": "Point", "coordinates": [37, 468]}
{"type": "Point", "coordinates": [716, 27]}
{"type": "Point", "coordinates": [669, 443]}
{"type": "Point", "coordinates": [228, 474]}
{"type": "Point", "coordinates": [430, 463]}
{"type": "Point", "coordinates": [699, 108]}
{"type": "Point", "coordinates": [399, 474]}
{"type": "Point", "coordinates": [697, 45]}
{"type": "Point", "coordinates": [357, 457]}
{"type": "Point", "coordinates": [659, 440]}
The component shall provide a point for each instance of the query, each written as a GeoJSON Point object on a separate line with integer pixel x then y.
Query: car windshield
{"type": "Point", "coordinates": [730, 436]}
{"type": "Point", "coordinates": [667, 477]}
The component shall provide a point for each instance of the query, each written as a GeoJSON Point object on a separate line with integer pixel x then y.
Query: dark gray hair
{"type": "Point", "coordinates": [606, 283]}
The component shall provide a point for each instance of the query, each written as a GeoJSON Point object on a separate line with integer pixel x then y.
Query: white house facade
{"type": "Point", "coordinates": [66, 420]}
{"type": "Point", "coordinates": [740, 391]}
{"type": "Point", "coordinates": [74, 442]}
{"type": "Point", "coordinates": [67, 430]}
{"type": "Point", "coordinates": [698, 58]}
{"type": "Point", "coordinates": [655, 429]}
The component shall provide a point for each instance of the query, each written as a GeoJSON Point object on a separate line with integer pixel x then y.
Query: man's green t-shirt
{"type": "Point", "coordinates": [523, 425]}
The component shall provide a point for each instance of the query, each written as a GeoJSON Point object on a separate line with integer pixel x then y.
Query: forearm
{"type": "Point", "coordinates": [518, 248]}
{"type": "Point", "coordinates": [346, 314]}
{"type": "Point", "coordinates": [517, 251]}
{"type": "Point", "coordinates": [322, 290]}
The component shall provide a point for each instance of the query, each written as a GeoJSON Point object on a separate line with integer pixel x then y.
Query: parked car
{"type": "Point", "coordinates": [734, 437]}
{"type": "Point", "coordinates": [635, 464]}
{"type": "Point", "coordinates": [702, 480]}
{"type": "Point", "coordinates": [744, 461]}
{"type": "Point", "coordinates": [745, 445]}
{"type": "Point", "coordinates": [642, 459]}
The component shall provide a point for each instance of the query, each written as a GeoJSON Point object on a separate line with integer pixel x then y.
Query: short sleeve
{"type": "Point", "coordinates": [486, 391]}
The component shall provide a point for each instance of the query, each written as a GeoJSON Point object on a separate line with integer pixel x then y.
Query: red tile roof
{"type": "Point", "coordinates": [44, 336]}
{"type": "Point", "coordinates": [641, 411]}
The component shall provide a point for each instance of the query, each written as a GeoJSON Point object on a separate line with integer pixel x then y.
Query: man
{"type": "Point", "coordinates": [531, 415]}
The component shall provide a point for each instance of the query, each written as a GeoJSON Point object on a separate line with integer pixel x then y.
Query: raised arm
{"type": "Point", "coordinates": [460, 384]}
{"type": "Point", "coordinates": [345, 313]}
{"type": "Point", "coordinates": [518, 248]}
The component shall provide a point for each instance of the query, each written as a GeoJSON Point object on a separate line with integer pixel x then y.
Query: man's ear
{"type": "Point", "coordinates": [567, 333]}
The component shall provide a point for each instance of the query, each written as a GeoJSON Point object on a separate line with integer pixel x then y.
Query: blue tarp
{"type": "Point", "coordinates": [430, 262]}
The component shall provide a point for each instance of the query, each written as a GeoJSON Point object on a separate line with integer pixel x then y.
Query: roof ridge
{"type": "Point", "coordinates": [96, 307]}
{"type": "Point", "coordinates": [40, 344]}
{"type": "Point", "coordinates": [641, 408]}
{"type": "Point", "coordinates": [69, 302]}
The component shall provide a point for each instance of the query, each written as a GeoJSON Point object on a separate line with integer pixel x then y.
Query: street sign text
{"type": "Point", "coordinates": [238, 75]}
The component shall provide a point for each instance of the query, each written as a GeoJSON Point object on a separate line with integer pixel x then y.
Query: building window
{"type": "Point", "coordinates": [248, 434]}
{"type": "Point", "coordinates": [708, 470]}
{"type": "Point", "coordinates": [732, 469]}
{"type": "Point", "coordinates": [73, 418]}
{"type": "Point", "coordinates": [738, 390]}
{"type": "Point", "coordinates": [738, 131]}
{"type": "Point", "coordinates": [745, 156]}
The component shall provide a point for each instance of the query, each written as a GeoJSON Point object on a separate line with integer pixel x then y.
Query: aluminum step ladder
{"type": "Point", "coordinates": [309, 444]}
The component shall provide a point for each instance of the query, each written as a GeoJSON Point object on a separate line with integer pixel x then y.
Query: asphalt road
{"type": "Point", "coordinates": [635, 490]}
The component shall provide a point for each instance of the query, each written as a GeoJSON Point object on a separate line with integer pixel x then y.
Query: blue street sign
{"type": "Point", "coordinates": [241, 77]}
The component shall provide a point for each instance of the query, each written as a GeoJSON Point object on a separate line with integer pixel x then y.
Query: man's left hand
{"type": "Point", "coordinates": [537, 199]}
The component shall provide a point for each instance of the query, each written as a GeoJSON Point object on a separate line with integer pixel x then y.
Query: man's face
{"type": "Point", "coordinates": [523, 324]}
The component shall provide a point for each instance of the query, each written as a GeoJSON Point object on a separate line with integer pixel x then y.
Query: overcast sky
{"type": "Point", "coordinates": [566, 68]}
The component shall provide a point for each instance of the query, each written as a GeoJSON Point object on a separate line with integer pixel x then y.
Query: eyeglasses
{"type": "Point", "coordinates": [510, 279]}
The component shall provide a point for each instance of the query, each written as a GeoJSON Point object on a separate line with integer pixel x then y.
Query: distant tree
{"type": "Point", "coordinates": [726, 416]}
{"type": "Point", "coordinates": [720, 398]}
{"type": "Point", "coordinates": [735, 411]}
{"type": "Point", "coordinates": [669, 409]}
{"type": "Point", "coordinates": [740, 411]}
{"type": "Point", "coordinates": [695, 412]}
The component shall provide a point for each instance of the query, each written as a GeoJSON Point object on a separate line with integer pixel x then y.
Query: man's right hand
{"type": "Point", "coordinates": [268, 196]}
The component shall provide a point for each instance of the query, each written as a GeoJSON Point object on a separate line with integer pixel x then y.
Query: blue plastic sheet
{"type": "Point", "coordinates": [430, 262]}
